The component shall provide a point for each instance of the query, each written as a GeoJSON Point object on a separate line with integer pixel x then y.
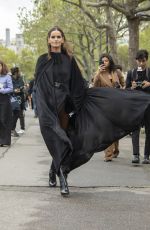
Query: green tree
{"type": "Point", "coordinates": [123, 57]}
{"type": "Point", "coordinates": [26, 62]}
{"type": "Point", "coordinates": [135, 12]}
{"type": "Point", "coordinates": [87, 41]}
{"type": "Point", "coordinates": [8, 56]}
{"type": "Point", "coordinates": [144, 40]}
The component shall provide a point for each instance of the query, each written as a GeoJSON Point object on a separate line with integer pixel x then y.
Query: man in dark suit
{"type": "Point", "coordinates": [139, 79]}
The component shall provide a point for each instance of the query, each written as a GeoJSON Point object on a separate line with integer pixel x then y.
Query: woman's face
{"type": "Point", "coordinates": [55, 40]}
{"type": "Point", "coordinates": [1, 67]}
{"type": "Point", "coordinates": [106, 62]}
{"type": "Point", "coordinates": [142, 63]}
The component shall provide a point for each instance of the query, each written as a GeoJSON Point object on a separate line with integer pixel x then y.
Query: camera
{"type": "Point", "coordinates": [139, 84]}
{"type": "Point", "coordinates": [21, 88]}
{"type": "Point", "coordinates": [140, 77]}
{"type": "Point", "coordinates": [140, 72]}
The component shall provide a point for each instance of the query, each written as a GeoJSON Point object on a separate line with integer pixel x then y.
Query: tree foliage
{"type": "Point", "coordinates": [8, 56]}
{"type": "Point", "coordinates": [25, 60]}
{"type": "Point", "coordinates": [92, 27]}
{"type": "Point", "coordinates": [135, 12]}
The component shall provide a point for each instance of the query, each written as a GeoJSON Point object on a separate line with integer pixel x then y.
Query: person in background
{"type": "Point", "coordinates": [110, 76]}
{"type": "Point", "coordinates": [139, 79]}
{"type": "Point", "coordinates": [122, 83]}
{"type": "Point", "coordinates": [26, 96]}
{"type": "Point", "coordinates": [120, 75]}
{"type": "Point", "coordinates": [31, 92]}
{"type": "Point", "coordinates": [6, 87]}
{"type": "Point", "coordinates": [18, 91]}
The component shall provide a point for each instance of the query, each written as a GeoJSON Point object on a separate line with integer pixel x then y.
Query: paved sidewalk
{"type": "Point", "coordinates": [103, 195]}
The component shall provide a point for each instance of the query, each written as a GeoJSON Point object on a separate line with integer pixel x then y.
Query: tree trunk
{"type": "Point", "coordinates": [111, 33]}
{"type": "Point", "coordinates": [84, 57]}
{"type": "Point", "coordinates": [133, 40]}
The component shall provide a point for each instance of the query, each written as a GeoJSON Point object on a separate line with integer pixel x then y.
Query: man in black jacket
{"type": "Point", "coordinates": [139, 79]}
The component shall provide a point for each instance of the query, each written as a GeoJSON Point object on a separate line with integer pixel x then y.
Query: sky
{"type": "Point", "coordinates": [8, 15]}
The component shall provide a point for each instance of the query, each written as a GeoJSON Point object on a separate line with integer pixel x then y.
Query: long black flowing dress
{"type": "Point", "coordinates": [5, 119]}
{"type": "Point", "coordinates": [100, 115]}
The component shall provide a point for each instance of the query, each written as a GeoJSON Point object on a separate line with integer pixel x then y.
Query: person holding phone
{"type": "Point", "coordinates": [108, 75]}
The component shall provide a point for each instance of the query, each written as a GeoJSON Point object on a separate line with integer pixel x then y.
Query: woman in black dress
{"type": "Point", "coordinates": [77, 121]}
{"type": "Point", "coordinates": [6, 87]}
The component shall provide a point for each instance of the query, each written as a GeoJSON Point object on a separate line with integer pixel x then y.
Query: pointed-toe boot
{"type": "Point", "coordinates": [64, 190]}
{"type": "Point", "coordinates": [52, 179]}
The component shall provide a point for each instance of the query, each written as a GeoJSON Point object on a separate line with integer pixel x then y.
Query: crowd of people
{"type": "Point", "coordinates": [77, 120]}
{"type": "Point", "coordinates": [15, 98]}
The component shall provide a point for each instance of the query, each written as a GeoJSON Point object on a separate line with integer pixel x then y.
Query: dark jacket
{"type": "Point", "coordinates": [18, 83]}
{"type": "Point", "coordinates": [31, 86]}
{"type": "Point", "coordinates": [132, 75]}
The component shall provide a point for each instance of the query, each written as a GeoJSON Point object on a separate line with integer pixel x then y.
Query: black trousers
{"type": "Point", "coordinates": [18, 114]}
{"type": "Point", "coordinates": [22, 119]}
{"type": "Point", "coordinates": [15, 117]}
{"type": "Point", "coordinates": [136, 136]}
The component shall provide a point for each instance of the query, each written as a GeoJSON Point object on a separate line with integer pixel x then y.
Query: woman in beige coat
{"type": "Point", "coordinates": [109, 76]}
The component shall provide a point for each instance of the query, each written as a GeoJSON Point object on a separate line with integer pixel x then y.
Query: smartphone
{"type": "Point", "coordinates": [101, 62]}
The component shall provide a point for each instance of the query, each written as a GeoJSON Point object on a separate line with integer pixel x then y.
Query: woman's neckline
{"type": "Point", "coordinates": [55, 52]}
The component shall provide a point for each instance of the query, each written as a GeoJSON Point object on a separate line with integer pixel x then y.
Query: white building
{"type": "Point", "coordinates": [16, 44]}
{"type": "Point", "coordinates": [7, 38]}
{"type": "Point", "coordinates": [2, 42]}
{"type": "Point", "coordinates": [19, 42]}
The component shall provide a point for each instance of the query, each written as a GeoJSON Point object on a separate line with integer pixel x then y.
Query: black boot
{"type": "Point", "coordinates": [63, 183]}
{"type": "Point", "coordinates": [52, 178]}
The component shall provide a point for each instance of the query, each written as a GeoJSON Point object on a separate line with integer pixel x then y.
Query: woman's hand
{"type": "Point", "coordinates": [145, 84]}
{"type": "Point", "coordinates": [102, 68]}
{"type": "Point", "coordinates": [17, 90]}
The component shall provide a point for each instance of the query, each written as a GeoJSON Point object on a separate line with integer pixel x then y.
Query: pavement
{"type": "Point", "coordinates": [103, 195]}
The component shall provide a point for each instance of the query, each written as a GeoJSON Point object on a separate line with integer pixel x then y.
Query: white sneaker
{"type": "Point", "coordinates": [21, 131]}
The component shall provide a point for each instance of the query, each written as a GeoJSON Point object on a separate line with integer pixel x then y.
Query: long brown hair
{"type": "Point", "coordinates": [111, 67]}
{"type": "Point", "coordinates": [65, 48]}
{"type": "Point", "coordinates": [4, 68]}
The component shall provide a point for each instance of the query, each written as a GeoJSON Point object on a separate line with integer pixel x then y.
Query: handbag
{"type": "Point", "coordinates": [15, 102]}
